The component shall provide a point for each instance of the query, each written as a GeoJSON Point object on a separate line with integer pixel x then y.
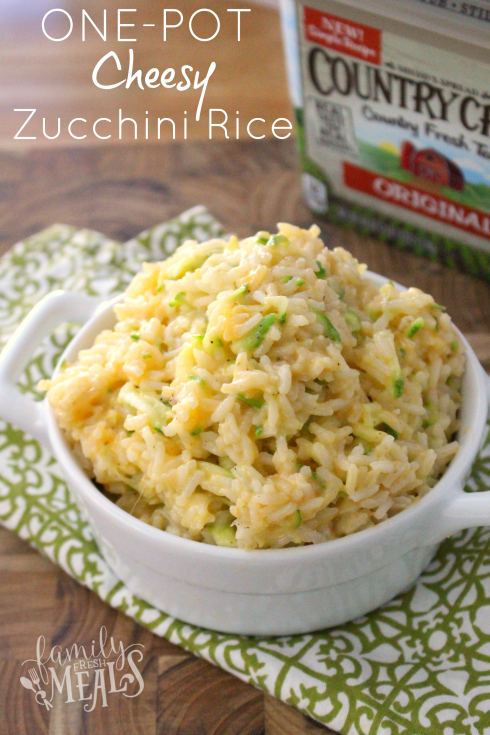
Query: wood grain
{"type": "Point", "coordinates": [187, 686]}
{"type": "Point", "coordinates": [248, 186]}
{"type": "Point", "coordinates": [19, 714]}
{"type": "Point", "coordinates": [182, 695]}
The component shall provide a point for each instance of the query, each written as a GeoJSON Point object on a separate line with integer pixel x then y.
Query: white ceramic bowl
{"type": "Point", "coordinates": [265, 592]}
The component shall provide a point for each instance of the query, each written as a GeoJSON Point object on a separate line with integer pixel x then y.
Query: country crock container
{"type": "Point", "coordinates": [392, 102]}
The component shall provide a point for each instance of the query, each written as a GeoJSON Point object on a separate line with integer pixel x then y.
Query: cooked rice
{"type": "Point", "coordinates": [265, 393]}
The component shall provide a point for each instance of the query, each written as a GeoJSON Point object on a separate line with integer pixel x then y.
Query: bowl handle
{"type": "Point", "coordinates": [54, 309]}
{"type": "Point", "coordinates": [466, 510]}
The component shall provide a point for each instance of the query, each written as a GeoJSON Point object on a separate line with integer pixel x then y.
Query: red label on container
{"type": "Point", "coordinates": [417, 200]}
{"type": "Point", "coordinates": [343, 35]}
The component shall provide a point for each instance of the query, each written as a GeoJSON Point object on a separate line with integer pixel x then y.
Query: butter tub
{"type": "Point", "coordinates": [392, 103]}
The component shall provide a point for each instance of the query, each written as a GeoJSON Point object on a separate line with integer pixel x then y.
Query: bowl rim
{"type": "Point", "coordinates": [451, 479]}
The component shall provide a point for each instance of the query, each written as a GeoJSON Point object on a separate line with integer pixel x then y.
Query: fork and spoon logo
{"type": "Point", "coordinates": [34, 685]}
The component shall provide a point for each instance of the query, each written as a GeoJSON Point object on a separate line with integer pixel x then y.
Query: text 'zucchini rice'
{"type": "Point", "coordinates": [265, 393]}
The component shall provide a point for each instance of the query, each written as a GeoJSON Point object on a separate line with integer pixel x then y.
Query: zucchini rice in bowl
{"type": "Point", "coordinates": [263, 393]}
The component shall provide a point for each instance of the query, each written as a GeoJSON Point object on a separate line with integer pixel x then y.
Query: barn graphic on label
{"type": "Point", "coordinates": [430, 165]}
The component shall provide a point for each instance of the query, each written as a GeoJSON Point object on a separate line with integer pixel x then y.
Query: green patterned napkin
{"type": "Point", "coordinates": [420, 665]}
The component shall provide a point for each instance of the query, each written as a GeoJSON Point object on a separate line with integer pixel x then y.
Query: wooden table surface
{"type": "Point", "coordinates": [248, 186]}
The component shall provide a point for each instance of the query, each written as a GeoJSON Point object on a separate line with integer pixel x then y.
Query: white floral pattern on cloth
{"type": "Point", "coordinates": [418, 666]}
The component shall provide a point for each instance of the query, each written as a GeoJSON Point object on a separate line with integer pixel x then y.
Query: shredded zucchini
{"type": "Point", "coordinates": [255, 402]}
{"type": "Point", "coordinates": [398, 384]}
{"type": "Point", "coordinates": [277, 240]}
{"type": "Point", "coordinates": [388, 430]}
{"type": "Point", "coordinates": [416, 326]}
{"type": "Point", "coordinates": [321, 272]}
{"type": "Point", "coordinates": [317, 478]}
{"type": "Point", "coordinates": [235, 295]}
{"type": "Point", "coordinates": [145, 403]}
{"type": "Point", "coordinates": [327, 325]}
{"type": "Point", "coordinates": [197, 379]}
{"type": "Point", "coordinates": [222, 531]}
{"type": "Point", "coordinates": [178, 300]}
{"type": "Point", "coordinates": [189, 264]}
{"type": "Point", "coordinates": [255, 337]}
{"type": "Point", "coordinates": [431, 418]}
{"type": "Point", "coordinates": [353, 321]}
